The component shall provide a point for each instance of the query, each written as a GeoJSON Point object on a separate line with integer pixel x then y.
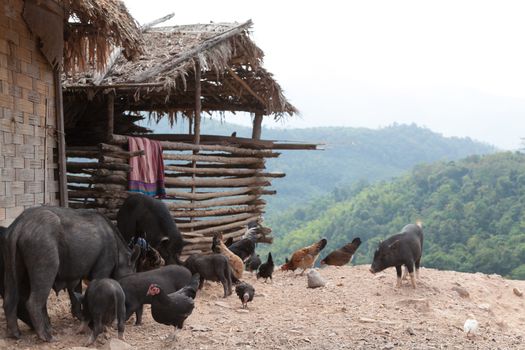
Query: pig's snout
{"type": "Point", "coordinates": [372, 270]}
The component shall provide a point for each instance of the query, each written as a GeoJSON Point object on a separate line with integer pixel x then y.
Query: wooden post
{"type": "Point", "coordinates": [59, 107]}
{"type": "Point", "coordinates": [196, 119]}
{"type": "Point", "coordinates": [257, 126]}
{"type": "Point", "coordinates": [111, 115]}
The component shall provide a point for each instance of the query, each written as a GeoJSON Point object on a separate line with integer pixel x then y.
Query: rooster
{"type": "Point", "coordinates": [245, 247]}
{"type": "Point", "coordinates": [245, 292]}
{"type": "Point", "coordinates": [304, 258]}
{"type": "Point", "coordinates": [266, 269]}
{"type": "Point", "coordinates": [343, 255]}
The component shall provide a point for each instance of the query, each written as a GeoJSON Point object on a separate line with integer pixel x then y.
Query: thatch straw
{"type": "Point", "coordinates": [161, 81]}
{"type": "Point", "coordinates": [95, 27]}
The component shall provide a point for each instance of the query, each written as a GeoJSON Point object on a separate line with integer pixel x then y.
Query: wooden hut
{"type": "Point", "coordinates": [37, 39]}
{"type": "Point", "coordinates": [214, 183]}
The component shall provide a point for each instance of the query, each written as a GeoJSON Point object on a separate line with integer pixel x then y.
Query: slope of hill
{"type": "Point", "coordinates": [356, 310]}
{"type": "Point", "coordinates": [472, 212]}
{"type": "Point", "coordinates": [350, 155]}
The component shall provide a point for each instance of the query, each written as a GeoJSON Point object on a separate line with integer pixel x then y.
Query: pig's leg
{"type": "Point", "coordinates": [399, 270]}
{"type": "Point", "coordinates": [405, 274]}
{"type": "Point", "coordinates": [121, 318]}
{"type": "Point", "coordinates": [410, 267]}
{"type": "Point", "coordinates": [138, 315]}
{"type": "Point", "coordinates": [417, 267]}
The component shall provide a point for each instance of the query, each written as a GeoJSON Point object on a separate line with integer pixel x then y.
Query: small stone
{"type": "Point", "coordinates": [517, 292]}
{"type": "Point", "coordinates": [388, 346]}
{"type": "Point", "coordinates": [366, 320]}
{"type": "Point", "coordinates": [410, 331]}
{"type": "Point", "coordinates": [117, 344]}
{"type": "Point", "coordinates": [461, 291]}
{"type": "Point", "coordinates": [242, 311]}
{"type": "Point", "coordinates": [200, 328]}
{"type": "Point", "coordinates": [223, 304]}
{"type": "Point", "coordinates": [484, 306]}
{"type": "Point", "coordinates": [315, 279]}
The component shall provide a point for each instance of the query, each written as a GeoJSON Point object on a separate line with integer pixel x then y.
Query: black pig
{"type": "Point", "coordinates": [103, 301]}
{"type": "Point", "coordinates": [170, 278]}
{"type": "Point", "coordinates": [149, 218]}
{"type": "Point", "coordinates": [214, 267]}
{"type": "Point", "coordinates": [404, 248]}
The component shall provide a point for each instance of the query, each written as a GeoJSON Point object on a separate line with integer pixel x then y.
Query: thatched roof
{"type": "Point", "coordinates": [162, 80]}
{"type": "Point", "coordinates": [94, 29]}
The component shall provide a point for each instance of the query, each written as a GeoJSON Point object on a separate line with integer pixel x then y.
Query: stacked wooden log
{"type": "Point", "coordinates": [210, 188]}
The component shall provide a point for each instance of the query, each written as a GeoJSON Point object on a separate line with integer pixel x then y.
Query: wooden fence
{"type": "Point", "coordinates": [210, 187]}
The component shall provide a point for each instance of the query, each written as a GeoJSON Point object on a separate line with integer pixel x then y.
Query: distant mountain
{"type": "Point", "coordinates": [472, 213]}
{"type": "Point", "coordinates": [350, 155]}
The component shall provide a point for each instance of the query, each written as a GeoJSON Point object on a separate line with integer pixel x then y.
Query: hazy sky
{"type": "Point", "coordinates": [456, 67]}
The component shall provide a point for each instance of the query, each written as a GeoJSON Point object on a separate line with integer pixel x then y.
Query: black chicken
{"type": "Point", "coordinates": [266, 269]}
{"type": "Point", "coordinates": [253, 262]}
{"type": "Point", "coordinates": [170, 309]}
{"type": "Point", "coordinates": [245, 292]}
{"type": "Point", "coordinates": [246, 246]}
{"type": "Point", "coordinates": [190, 290]}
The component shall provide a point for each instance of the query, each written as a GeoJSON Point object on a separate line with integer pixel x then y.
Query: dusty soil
{"type": "Point", "coordinates": [356, 310]}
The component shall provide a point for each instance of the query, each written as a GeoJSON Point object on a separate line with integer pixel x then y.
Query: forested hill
{"type": "Point", "coordinates": [350, 154]}
{"type": "Point", "coordinates": [472, 213]}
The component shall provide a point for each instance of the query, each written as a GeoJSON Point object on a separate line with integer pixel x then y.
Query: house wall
{"type": "Point", "coordinates": [27, 95]}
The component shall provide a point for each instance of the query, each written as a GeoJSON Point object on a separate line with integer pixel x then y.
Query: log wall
{"type": "Point", "coordinates": [210, 188]}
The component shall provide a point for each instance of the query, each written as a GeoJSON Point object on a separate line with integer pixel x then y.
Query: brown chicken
{"type": "Point", "coordinates": [304, 258]}
{"type": "Point", "coordinates": [236, 263]}
{"type": "Point", "coordinates": [343, 255]}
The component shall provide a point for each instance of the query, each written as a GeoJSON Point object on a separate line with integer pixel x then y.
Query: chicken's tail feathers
{"type": "Point", "coordinates": [321, 244]}
{"type": "Point", "coordinates": [270, 259]}
{"type": "Point", "coordinates": [356, 242]}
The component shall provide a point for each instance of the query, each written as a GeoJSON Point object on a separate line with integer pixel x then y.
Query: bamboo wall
{"type": "Point", "coordinates": [28, 121]}
{"type": "Point", "coordinates": [210, 188]}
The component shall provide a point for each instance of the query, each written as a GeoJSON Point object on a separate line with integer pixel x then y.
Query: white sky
{"type": "Point", "coordinates": [456, 67]}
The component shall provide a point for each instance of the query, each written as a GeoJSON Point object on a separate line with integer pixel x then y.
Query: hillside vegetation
{"type": "Point", "coordinates": [472, 213]}
{"type": "Point", "coordinates": [349, 155]}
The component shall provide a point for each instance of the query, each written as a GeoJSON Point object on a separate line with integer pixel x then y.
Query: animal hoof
{"type": "Point", "coordinates": [15, 335]}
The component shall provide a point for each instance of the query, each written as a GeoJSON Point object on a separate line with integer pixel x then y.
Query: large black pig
{"type": "Point", "coordinates": [21, 311]}
{"type": "Point", "coordinates": [51, 247]}
{"type": "Point", "coordinates": [404, 248]}
{"type": "Point", "coordinates": [149, 218]}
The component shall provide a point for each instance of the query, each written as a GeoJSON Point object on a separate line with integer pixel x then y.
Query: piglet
{"type": "Point", "coordinates": [404, 248]}
{"type": "Point", "coordinates": [102, 302]}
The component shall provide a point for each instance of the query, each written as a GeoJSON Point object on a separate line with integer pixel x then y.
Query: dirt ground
{"type": "Point", "coordinates": [355, 310]}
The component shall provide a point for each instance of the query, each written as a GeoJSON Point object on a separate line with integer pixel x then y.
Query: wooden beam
{"type": "Point", "coordinates": [257, 126]}
{"type": "Point", "coordinates": [217, 212]}
{"type": "Point", "coordinates": [247, 87]}
{"type": "Point", "coordinates": [209, 195]}
{"type": "Point", "coordinates": [197, 126]}
{"type": "Point", "coordinates": [62, 172]}
{"type": "Point", "coordinates": [204, 182]}
{"type": "Point", "coordinates": [110, 115]}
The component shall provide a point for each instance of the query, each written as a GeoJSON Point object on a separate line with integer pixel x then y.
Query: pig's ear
{"type": "Point", "coordinates": [394, 244]}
